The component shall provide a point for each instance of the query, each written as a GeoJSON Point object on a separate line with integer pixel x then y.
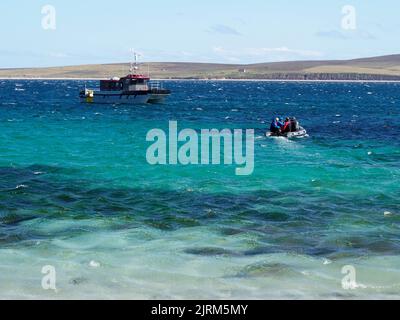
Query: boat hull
{"type": "Point", "coordinates": [157, 95]}
{"type": "Point", "coordinates": [157, 98]}
{"type": "Point", "coordinates": [130, 99]}
{"type": "Point", "coordinates": [302, 133]}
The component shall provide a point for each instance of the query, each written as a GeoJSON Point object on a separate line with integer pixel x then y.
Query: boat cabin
{"type": "Point", "coordinates": [131, 82]}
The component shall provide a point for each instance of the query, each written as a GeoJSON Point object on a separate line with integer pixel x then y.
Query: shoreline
{"type": "Point", "coordinates": [210, 80]}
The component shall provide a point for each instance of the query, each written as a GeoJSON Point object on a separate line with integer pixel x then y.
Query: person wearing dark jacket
{"type": "Point", "coordinates": [276, 125]}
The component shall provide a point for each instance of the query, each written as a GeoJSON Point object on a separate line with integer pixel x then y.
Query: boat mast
{"type": "Point", "coordinates": [134, 64]}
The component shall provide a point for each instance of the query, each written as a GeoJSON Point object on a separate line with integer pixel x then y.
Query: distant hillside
{"type": "Point", "coordinates": [376, 68]}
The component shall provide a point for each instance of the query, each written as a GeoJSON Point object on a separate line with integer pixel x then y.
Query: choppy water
{"type": "Point", "coordinates": [77, 193]}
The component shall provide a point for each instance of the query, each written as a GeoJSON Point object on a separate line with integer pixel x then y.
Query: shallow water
{"type": "Point", "coordinates": [77, 193]}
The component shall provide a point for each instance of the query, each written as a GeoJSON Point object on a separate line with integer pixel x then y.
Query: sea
{"type": "Point", "coordinates": [83, 215]}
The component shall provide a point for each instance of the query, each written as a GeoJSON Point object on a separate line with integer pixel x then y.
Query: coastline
{"type": "Point", "coordinates": [205, 80]}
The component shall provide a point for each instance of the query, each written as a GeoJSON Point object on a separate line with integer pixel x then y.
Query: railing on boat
{"type": "Point", "coordinates": [155, 85]}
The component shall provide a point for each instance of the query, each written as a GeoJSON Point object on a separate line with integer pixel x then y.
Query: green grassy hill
{"type": "Point", "coordinates": [376, 68]}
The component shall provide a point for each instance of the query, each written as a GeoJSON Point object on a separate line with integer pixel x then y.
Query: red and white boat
{"type": "Point", "coordinates": [132, 89]}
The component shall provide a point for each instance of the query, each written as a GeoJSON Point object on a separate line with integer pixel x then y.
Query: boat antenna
{"type": "Point", "coordinates": [134, 64]}
{"type": "Point", "coordinates": [131, 63]}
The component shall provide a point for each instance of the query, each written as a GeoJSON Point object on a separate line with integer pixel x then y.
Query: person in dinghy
{"type": "Point", "coordinates": [289, 129]}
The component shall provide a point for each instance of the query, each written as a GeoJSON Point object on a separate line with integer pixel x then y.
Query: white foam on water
{"type": "Point", "coordinates": [150, 264]}
{"type": "Point", "coordinates": [94, 264]}
{"type": "Point", "coordinates": [21, 186]}
{"type": "Point", "coordinates": [287, 144]}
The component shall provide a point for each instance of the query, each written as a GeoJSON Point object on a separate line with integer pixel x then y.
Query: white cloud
{"type": "Point", "coordinates": [224, 29]}
{"type": "Point", "coordinates": [58, 55]}
{"type": "Point", "coordinates": [346, 35]}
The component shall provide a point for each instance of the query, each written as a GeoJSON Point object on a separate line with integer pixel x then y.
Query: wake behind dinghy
{"type": "Point", "coordinates": [294, 131]}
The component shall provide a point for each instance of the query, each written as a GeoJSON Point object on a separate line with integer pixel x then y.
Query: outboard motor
{"type": "Point", "coordinates": [295, 126]}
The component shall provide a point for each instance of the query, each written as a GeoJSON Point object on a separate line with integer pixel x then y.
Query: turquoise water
{"type": "Point", "coordinates": [77, 193]}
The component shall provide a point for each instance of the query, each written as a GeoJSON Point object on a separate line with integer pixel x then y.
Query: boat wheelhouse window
{"type": "Point", "coordinates": [108, 85]}
{"type": "Point", "coordinates": [130, 81]}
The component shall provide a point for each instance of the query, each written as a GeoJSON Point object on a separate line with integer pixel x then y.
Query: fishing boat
{"type": "Point", "coordinates": [133, 89]}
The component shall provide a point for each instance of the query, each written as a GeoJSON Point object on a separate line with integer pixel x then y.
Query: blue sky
{"type": "Point", "coordinates": [228, 31]}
